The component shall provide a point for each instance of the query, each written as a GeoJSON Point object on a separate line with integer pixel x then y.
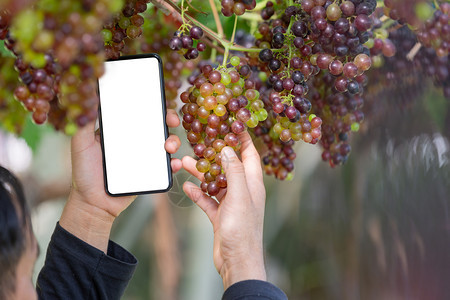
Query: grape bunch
{"type": "Point", "coordinates": [278, 158]}
{"type": "Point", "coordinates": [59, 56]}
{"type": "Point", "coordinates": [154, 39]}
{"type": "Point", "coordinates": [185, 43]}
{"type": "Point", "coordinates": [306, 44]}
{"type": "Point", "coordinates": [221, 104]}
{"type": "Point", "coordinates": [14, 6]}
{"type": "Point", "coordinates": [12, 113]}
{"type": "Point", "coordinates": [413, 12]}
{"type": "Point", "coordinates": [402, 68]}
{"type": "Point", "coordinates": [279, 135]}
{"type": "Point", "coordinates": [237, 7]}
{"type": "Point", "coordinates": [435, 33]}
{"type": "Point", "coordinates": [340, 113]}
{"type": "Point", "coordinates": [126, 25]}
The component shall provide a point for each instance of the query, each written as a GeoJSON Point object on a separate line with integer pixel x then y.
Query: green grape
{"type": "Point", "coordinates": [355, 127]}
{"type": "Point", "coordinates": [220, 110]}
{"type": "Point", "coordinates": [203, 165]}
{"type": "Point", "coordinates": [277, 128]}
{"type": "Point", "coordinates": [114, 5]}
{"type": "Point", "coordinates": [37, 60]}
{"type": "Point", "coordinates": [107, 35]}
{"type": "Point", "coordinates": [43, 41]}
{"type": "Point", "coordinates": [226, 78]}
{"type": "Point", "coordinates": [274, 135]}
{"type": "Point", "coordinates": [285, 122]}
{"type": "Point", "coordinates": [424, 11]}
{"type": "Point", "coordinates": [27, 25]}
{"type": "Point", "coordinates": [290, 176]}
{"type": "Point", "coordinates": [252, 122]}
{"type": "Point", "coordinates": [262, 115]}
{"type": "Point", "coordinates": [124, 22]}
{"type": "Point", "coordinates": [262, 76]}
{"type": "Point", "coordinates": [70, 129]}
{"type": "Point", "coordinates": [235, 61]}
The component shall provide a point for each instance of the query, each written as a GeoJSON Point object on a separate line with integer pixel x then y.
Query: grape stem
{"type": "Point", "coordinates": [388, 23]}
{"type": "Point", "coordinates": [260, 5]}
{"type": "Point", "coordinates": [289, 36]}
{"type": "Point", "coordinates": [216, 18]}
{"type": "Point", "coordinates": [227, 46]}
{"type": "Point", "coordinates": [234, 30]}
{"type": "Point", "coordinates": [251, 16]}
{"type": "Point", "coordinates": [436, 5]}
{"type": "Point", "coordinates": [242, 49]}
{"type": "Point", "coordinates": [213, 52]}
{"type": "Point", "coordinates": [412, 53]}
{"type": "Point", "coordinates": [185, 26]}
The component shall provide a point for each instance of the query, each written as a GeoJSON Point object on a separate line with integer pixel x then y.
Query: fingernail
{"type": "Point", "coordinates": [228, 152]}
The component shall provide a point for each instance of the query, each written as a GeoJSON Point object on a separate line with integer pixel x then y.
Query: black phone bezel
{"type": "Point", "coordinates": [166, 130]}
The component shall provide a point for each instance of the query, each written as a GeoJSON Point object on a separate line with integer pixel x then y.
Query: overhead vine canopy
{"type": "Point", "coordinates": [286, 71]}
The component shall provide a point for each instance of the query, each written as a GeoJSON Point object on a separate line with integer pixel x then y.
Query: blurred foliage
{"type": "Point", "coordinates": [378, 228]}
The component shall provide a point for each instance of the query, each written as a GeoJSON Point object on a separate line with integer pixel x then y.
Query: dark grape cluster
{"type": "Point", "coordinates": [279, 135]}
{"type": "Point", "coordinates": [413, 12]}
{"type": "Point", "coordinates": [59, 58]}
{"type": "Point", "coordinates": [425, 62]}
{"type": "Point", "coordinates": [154, 39]}
{"type": "Point", "coordinates": [221, 104]}
{"type": "Point", "coordinates": [310, 43]}
{"type": "Point", "coordinates": [123, 26]}
{"type": "Point", "coordinates": [37, 91]}
{"type": "Point", "coordinates": [184, 40]}
{"type": "Point", "coordinates": [435, 33]}
{"type": "Point", "coordinates": [12, 113]}
{"type": "Point", "coordinates": [237, 7]}
{"type": "Point", "coordinates": [340, 112]}
{"type": "Point", "coordinates": [278, 159]}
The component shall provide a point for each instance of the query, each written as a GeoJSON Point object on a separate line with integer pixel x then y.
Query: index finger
{"type": "Point", "coordinates": [172, 118]}
{"type": "Point", "coordinates": [250, 157]}
{"type": "Point", "coordinates": [83, 138]}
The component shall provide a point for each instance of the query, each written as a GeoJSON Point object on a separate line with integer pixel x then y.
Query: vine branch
{"type": "Point", "coordinates": [216, 18]}
{"type": "Point", "coordinates": [227, 47]}
{"type": "Point", "coordinates": [172, 7]}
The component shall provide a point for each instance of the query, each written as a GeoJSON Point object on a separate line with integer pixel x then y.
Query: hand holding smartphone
{"type": "Point", "coordinates": [133, 127]}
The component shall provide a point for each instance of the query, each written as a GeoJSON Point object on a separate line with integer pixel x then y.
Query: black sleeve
{"type": "Point", "coordinates": [74, 269]}
{"type": "Point", "coordinates": [253, 290]}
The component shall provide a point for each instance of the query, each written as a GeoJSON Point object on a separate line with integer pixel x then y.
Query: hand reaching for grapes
{"type": "Point", "coordinates": [89, 211]}
{"type": "Point", "coordinates": [238, 219]}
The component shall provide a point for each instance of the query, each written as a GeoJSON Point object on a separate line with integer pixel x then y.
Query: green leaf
{"type": "Point", "coordinates": [4, 52]}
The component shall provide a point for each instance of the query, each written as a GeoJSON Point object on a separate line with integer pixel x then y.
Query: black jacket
{"type": "Point", "coordinates": [75, 270]}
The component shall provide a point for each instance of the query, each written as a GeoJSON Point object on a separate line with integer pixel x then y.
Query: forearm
{"type": "Point", "coordinates": [74, 269]}
{"type": "Point", "coordinates": [244, 265]}
{"type": "Point", "coordinates": [87, 222]}
{"type": "Point", "coordinates": [248, 270]}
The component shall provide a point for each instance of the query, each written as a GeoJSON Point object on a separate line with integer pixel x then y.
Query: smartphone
{"type": "Point", "coordinates": [133, 130]}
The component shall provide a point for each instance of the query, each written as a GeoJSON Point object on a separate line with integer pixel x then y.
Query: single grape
{"type": "Point", "coordinates": [235, 61]}
{"type": "Point", "coordinates": [196, 32]}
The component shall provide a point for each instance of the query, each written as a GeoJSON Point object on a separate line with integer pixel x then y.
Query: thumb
{"type": "Point", "coordinates": [234, 169]}
{"type": "Point", "coordinates": [84, 137]}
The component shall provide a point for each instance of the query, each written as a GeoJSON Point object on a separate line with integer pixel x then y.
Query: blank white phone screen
{"type": "Point", "coordinates": [133, 127]}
